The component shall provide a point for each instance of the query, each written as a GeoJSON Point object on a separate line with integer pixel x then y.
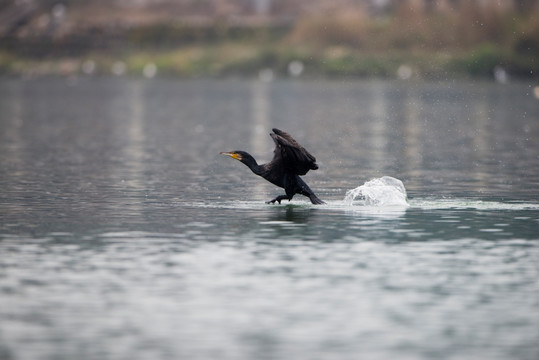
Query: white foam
{"type": "Point", "coordinates": [384, 191]}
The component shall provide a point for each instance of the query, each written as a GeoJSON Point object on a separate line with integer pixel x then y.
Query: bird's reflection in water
{"type": "Point", "coordinates": [295, 214]}
{"type": "Point", "coordinates": [287, 222]}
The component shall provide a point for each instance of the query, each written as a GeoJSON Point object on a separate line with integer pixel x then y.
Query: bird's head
{"type": "Point", "coordinates": [238, 155]}
{"type": "Point", "coordinates": [242, 156]}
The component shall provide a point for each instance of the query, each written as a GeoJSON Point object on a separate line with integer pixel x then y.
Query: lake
{"type": "Point", "coordinates": [125, 235]}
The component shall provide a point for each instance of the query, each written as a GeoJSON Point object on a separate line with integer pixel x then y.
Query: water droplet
{"type": "Point", "coordinates": [150, 70]}
{"type": "Point", "coordinates": [295, 68]}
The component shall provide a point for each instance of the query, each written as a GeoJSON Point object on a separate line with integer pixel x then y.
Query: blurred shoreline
{"type": "Point", "coordinates": [408, 39]}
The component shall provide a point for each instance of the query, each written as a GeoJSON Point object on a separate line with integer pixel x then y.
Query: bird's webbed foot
{"type": "Point", "coordinates": [278, 199]}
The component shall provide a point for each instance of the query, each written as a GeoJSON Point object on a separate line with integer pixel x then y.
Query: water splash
{"type": "Point", "coordinates": [384, 191]}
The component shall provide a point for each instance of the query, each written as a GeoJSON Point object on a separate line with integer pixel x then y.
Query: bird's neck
{"type": "Point", "coordinates": [252, 164]}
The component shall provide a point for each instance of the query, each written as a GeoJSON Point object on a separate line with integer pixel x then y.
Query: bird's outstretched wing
{"type": "Point", "coordinates": [293, 156]}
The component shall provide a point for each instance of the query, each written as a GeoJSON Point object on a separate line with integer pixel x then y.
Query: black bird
{"type": "Point", "coordinates": [289, 161]}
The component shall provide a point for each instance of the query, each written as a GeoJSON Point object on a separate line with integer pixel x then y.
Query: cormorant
{"type": "Point", "coordinates": [289, 161]}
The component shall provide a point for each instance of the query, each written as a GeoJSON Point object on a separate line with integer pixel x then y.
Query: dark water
{"type": "Point", "coordinates": [124, 235]}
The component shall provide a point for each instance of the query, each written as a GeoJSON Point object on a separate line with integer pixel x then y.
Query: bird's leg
{"type": "Point", "coordinates": [279, 198]}
{"type": "Point", "coordinates": [305, 190]}
{"type": "Point", "coordinates": [312, 196]}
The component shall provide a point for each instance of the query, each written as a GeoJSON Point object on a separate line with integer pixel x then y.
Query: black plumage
{"type": "Point", "coordinates": [290, 160]}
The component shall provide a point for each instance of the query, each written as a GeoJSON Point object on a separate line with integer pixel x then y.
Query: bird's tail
{"type": "Point", "coordinates": [315, 200]}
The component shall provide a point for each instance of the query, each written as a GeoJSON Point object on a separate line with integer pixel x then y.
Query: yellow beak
{"type": "Point", "coordinates": [233, 155]}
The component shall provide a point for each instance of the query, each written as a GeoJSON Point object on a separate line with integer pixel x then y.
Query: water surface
{"type": "Point", "coordinates": [125, 235]}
